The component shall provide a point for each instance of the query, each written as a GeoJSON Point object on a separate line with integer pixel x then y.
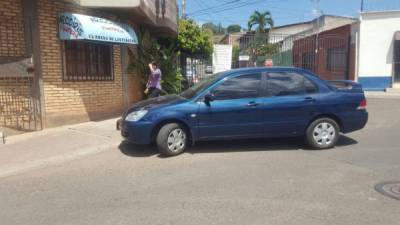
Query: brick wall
{"type": "Point", "coordinates": [70, 101]}
{"type": "Point", "coordinates": [12, 41]}
{"type": "Point", "coordinates": [15, 85]}
{"type": "Point", "coordinates": [135, 88]}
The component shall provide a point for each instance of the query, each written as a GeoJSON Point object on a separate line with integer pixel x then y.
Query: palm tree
{"type": "Point", "coordinates": [260, 19]}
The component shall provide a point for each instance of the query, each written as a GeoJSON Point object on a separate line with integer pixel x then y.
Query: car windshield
{"type": "Point", "coordinates": [197, 88]}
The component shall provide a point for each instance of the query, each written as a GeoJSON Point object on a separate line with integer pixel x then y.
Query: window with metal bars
{"type": "Point", "coordinates": [336, 59]}
{"type": "Point", "coordinates": [308, 59]}
{"type": "Point", "coordinates": [87, 61]}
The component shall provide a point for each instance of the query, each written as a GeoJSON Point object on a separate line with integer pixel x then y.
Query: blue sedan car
{"type": "Point", "coordinates": [249, 103]}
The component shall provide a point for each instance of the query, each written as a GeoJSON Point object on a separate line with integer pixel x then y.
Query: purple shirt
{"type": "Point", "coordinates": [155, 79]}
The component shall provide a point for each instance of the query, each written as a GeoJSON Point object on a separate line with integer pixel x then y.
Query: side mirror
{"type": "Point", "coordinates": [208, 98]}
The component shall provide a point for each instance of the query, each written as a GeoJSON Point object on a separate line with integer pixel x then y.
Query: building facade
{"type": "Point", "coordinates": [379, 50]}
{"type": "Point", "coordinates": [47, 80]}
{"type": "Point", "coordinates": [334, 58]}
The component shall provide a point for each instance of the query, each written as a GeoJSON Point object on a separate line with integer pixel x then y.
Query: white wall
{"type": "Point", "coordinates": [377, 31]}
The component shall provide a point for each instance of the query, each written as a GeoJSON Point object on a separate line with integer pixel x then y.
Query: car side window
{"type": "Point", "coordinates": [243, 86]}
{"type": "Point", "coordinates": [284, 84]}
{"type": "Point", "coordinates": [309, 86]}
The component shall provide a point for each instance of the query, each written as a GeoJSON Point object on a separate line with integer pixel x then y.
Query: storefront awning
{"type": "Point", "coordinates": [74, 26]}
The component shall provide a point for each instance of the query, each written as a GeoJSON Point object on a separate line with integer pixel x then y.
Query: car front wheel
{"type": "Point", "coordinates": [323, 133]}
{"type": "Point", "coordinates": [171, 139]}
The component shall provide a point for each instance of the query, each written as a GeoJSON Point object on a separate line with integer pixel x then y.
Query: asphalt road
{"type": "Point", "coordinates": [237, 182]}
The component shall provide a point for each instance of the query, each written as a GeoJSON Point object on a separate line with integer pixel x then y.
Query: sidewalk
{"type": "Point", "coordinates": [55, 146]}
{"type": "Point", "coordinates": [382, 94]}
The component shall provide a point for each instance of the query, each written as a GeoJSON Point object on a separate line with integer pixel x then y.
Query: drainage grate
{"type": "Point", "coordinates": [389, 188]}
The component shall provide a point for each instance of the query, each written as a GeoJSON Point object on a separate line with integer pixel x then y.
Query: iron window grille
{"type": "Point", "coordinates": [87, 61]}
{"type": "Point", "coordinates": [336, 59]}
{"type": "Point", "coordinates": [308, 59]}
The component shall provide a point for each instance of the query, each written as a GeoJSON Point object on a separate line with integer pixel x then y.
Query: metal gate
{"type": "Point", "coordinates": [194, 68]}
{"type": "Point", "coordinates": [19, 106]}
{"type": "Point", "coordinates": [328, 55]}
{"type": "Point", "coordinates": [19, 90]}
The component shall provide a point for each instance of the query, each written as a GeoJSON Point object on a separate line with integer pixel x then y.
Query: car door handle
{"type": "Point", "coordinates": [309, 99]}
{"type": "Point", "coordinates": [252, 104]}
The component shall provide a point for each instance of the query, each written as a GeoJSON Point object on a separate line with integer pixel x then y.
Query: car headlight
{"type": "Point", "coordinates": [136, 115]}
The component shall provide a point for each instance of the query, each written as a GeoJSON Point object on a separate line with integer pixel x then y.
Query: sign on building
{"type": "Point", "coordinates": [244, 57]}
{"type": "Point", "coordinates": [74, 26]}
{"type": "Point", "coordinates": [222, 58]}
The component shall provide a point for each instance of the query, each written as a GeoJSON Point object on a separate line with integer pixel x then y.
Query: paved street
{"type": "Point", "coordinates": [236, 182]}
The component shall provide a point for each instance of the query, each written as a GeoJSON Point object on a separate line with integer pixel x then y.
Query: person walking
{"type": "Point", "coordinates": [153, 87]}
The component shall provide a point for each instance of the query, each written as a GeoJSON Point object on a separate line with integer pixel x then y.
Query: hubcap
{"type": "Point", "coordinates": [324, 133]}
{"type": "Point", "coordinates": [176, 140]}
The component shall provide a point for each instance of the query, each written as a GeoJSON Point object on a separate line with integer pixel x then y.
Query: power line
{"type": "Point", "coordinates": [218, 10]}
{"type": "Point", "coordinates": [200, 3]}
{"type": "Point", "coordinates": [215, 6]}
{"type": "Point", "coordinates": [231, 5]}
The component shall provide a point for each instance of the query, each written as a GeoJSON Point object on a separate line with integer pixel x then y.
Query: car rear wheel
{"type": "Point", "coordinates": [171, 139]}
{"type": "Point", "coordinates": [323, 133]}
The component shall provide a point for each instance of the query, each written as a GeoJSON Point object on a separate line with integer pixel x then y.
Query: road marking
{"type": "Point", "coordinates": [55, 160]}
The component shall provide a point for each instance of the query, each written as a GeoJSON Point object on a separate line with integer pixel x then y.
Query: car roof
{"type": "Point", "coordinates": [265, 69]}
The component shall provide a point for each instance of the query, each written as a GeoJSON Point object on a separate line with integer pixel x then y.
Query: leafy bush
{"type": "Point", "coordinates": [164, 52]}
{"type": "Point", "coordinates": [191, 40]}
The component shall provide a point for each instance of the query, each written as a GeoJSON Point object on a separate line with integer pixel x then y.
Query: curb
{"type": "Point", "coordinates": [372, 96]}
{"type": "Point", "coordinates": [40, 133]}
{"type": "Point", "coordinates": [54, 160]}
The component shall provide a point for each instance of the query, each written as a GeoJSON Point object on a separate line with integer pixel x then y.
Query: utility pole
{"type": "Point", "coordinates": [317, 12]}
{"type": "Point", "coordinates": [183, 9]}
{"type": "Point", "coordinates": [362, 6]}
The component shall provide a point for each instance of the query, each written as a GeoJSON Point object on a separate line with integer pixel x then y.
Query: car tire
{"type": "Point", "coordinates": [322, 133]}
{"type": "Point", "coordinates": [172, 139]}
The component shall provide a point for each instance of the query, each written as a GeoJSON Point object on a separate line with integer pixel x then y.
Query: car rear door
{"type": "Point", "coordinates": [236, 110]}
{"type": "Point", "coordinates": [289, 104]}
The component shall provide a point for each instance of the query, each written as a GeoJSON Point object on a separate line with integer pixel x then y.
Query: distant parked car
{"type": "Point", "coordinates": [209, 69]}
{"type": "Point", "coordinates": [249, 103]}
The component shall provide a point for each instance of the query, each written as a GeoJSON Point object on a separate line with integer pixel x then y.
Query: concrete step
{"type": "Point", "coordinates": [393, 90]}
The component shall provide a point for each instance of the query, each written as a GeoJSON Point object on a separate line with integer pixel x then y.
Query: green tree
{"type": "Point", "coordinates": [262, 20]}
{"type": "Point", "coordinates": [210, 26]}
{"type": "Point", "coordinates": [193, 40]}
{"type": "Point", "coordinates": [233, 28]}
{"type": "Point", "coordinates": [216, 29]}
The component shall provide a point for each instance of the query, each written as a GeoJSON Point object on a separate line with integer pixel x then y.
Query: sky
{"type": "Point", "coordinates": [283, 11]}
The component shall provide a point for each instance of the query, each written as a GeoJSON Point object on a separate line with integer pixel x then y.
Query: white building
{"type": "Point", "coordinates": [378, 59]}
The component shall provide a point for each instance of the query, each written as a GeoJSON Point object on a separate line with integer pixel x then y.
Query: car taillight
{"type": "Point", "coordinates": [363, 105]}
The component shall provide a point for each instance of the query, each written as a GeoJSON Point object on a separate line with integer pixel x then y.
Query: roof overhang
{"type": "Point", "coordinates": [144, 12]}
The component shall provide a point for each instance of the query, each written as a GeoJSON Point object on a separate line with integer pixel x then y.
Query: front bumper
{"type": "Point", "coordinates": [136, 132]}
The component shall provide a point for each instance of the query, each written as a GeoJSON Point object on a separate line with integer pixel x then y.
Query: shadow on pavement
{"type": "Point", "coordinates": [248, 145]}
{"type": "Point", "coordinates": [345, 141]}
{"type": "Point", "coordinates": [133, 150]}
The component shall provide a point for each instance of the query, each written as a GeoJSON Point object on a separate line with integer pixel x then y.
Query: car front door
{"type": "Point", "coordinates": [290, 103]}
{"type": "Point", "coordinates": [235, 110]}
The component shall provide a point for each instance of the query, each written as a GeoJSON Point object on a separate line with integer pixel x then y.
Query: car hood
{"type": "Point", "coordinates": [158, 102]}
